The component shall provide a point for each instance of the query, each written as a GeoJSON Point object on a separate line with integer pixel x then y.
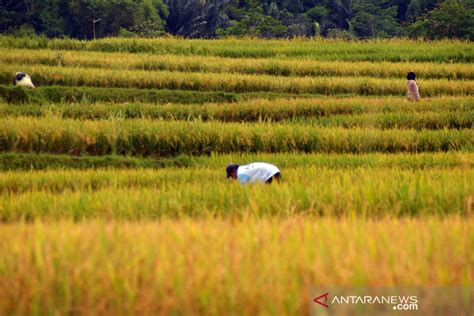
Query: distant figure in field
{"type": "Point", "coordinates": [254, 172]}
{"type": "Point", "coordinates": [23, 80]}
{"type": "Point", "coordinates": [412, 87]}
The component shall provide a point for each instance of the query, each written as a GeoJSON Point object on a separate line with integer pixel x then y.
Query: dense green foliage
{"type": "Point", "coordinates": [261, 18]}
{"type": "Point", "coordinates": [75, 18]}
{"type": "Point", "coordinates": [452, 19]}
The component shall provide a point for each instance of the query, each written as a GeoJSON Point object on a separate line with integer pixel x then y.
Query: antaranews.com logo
{"type": "Point", "coordinates": [390, 301]}
{"type": "Point", "coordinates": [398, 303]}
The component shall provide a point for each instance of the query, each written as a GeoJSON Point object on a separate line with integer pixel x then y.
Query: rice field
{"type": "Point", "coordinates": [446, 51]}
{"type": "Point", "coordinates": [175, 193]}
{"type": "Point", "coordinates": [113, 195]}
{"type": "Point", "coordinates": [249, 110]}
{"type": "Point", "coordinates": [231, 82]}
{"type": "Point", "coordinates": [261, 66]}
{"type": "Point", "coordinates": [251, 266]}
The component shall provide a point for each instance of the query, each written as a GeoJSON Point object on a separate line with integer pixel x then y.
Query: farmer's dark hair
{"type": "Point", "coordinates": [231, 168]}
{"type": "Point", "coordinates": [20, 75]}
{"type": "Point", "coordinates": [411, 76]}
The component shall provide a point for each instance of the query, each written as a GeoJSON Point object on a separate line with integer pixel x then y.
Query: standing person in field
{"type": "Point", "coordinates": [254, 172]}
{"type": "Point", "coordinates": [412, 87]}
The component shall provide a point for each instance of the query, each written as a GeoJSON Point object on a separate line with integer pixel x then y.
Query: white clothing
{"type": "Point", "coordinates": [256, 172]}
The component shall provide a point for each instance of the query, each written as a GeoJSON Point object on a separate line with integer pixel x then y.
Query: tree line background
{"type": "Point", "coordinates": [430, 19]}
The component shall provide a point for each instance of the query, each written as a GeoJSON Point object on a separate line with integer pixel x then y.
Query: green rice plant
{"type": "Point", "coordinates": [16, 161]}
{"type": "Point", "coordinates": [85, 95]}
{"type": "Point", "coordinates": [401, 120]}
{"type": "Point", "coordinates": [264, 66]}
{"type": "Point", "coordinates": [201, 193]}
{"type": "Point", "coordinates": [418, 121]}
{"type": "Point", "coordinates": [274, 110]}
{"type": "Point", "coordinates": [98, 77]}
{"type": "Point", "coordinates": [394, 50]}
{"type": "Point", "coordinates": [170, 138]}
{"type": "Point", "coordinates": [341, 161]}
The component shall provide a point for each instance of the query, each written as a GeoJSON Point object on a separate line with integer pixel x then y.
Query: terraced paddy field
{"type": "Point", "coordinates": [113, 192]}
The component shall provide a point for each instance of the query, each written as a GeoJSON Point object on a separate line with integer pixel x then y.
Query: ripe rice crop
{"type": "Point", "coordinates": [16, 161]}
{"type": "Point", "coordinates": [319, 49]}
{"type": "Point", "coordinates": [201, 193]}
{"type": "Point", "coordinates": [98, 77]}
{"type": "Point", "coordinates": [113, 191]}
{"type": "Point", "coordinates": [268, 66]}
{"type": "Point", "coordinates": [418, 121]}
{"type": "Point", "coordinates": [170, 138]}
{"type": "Point", "coordinates": [279, 109]}
{"type": "Point", "coordinates": [181, 267]}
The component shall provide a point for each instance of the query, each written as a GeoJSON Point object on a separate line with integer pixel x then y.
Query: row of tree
{"type": "Point", "coordinates": [261, 18]}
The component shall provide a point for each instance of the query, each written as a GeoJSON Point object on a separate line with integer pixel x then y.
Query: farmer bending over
{"type": "Point", "coordinates": [254, 172]}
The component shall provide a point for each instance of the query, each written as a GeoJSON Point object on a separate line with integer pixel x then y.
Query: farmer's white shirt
{"type": "Point", "coordinates": [256, 172]}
